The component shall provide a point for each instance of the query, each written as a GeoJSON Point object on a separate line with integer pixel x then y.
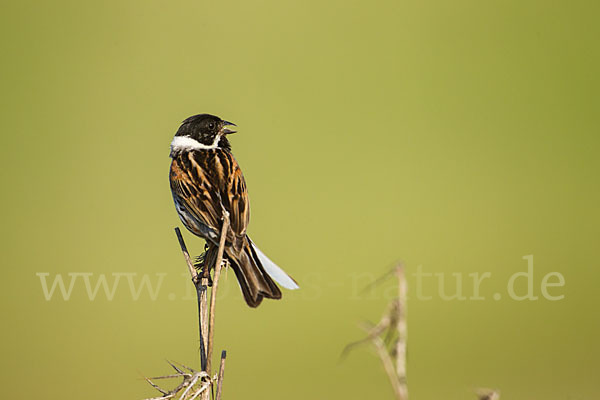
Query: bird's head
{"type": "Point", "coordinates": [203, 131]}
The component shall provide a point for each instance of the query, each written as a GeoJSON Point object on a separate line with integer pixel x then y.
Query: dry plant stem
{"type": "Point", "coordinates": [487, 394]}
{"type": "Point", "coordinates": [388, 365]}
{"type": "Point", "coordinates": [372, 331]}
{"type": "Point", "coordinates": [186, 255]}
{"type": "Point", "coordinates": [199, 384]}
{"type": "Point", "coordinates": [221, 374]}
{"type": "Point", "coordinates": [213, 296]}
{"type": "Point", "coordinates": [390, 329]}
{"type": "Point", "coordinates": [189, 380]}
{"type": "Point", "coordinates": [401, 329]}
{"type": "Point", "coordinates": [201, 294]}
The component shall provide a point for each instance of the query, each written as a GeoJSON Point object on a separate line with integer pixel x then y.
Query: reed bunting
{"type": "Point", "coordinates": [205, 180]}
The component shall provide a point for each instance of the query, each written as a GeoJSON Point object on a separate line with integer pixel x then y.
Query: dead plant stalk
{"type": "Point", "coordinates": [200, 383]}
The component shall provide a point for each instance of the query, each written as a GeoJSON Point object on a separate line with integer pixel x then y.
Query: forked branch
{"type": "Point", "coordinates": [197, 383]}
{"type": "Point", "coordinates": [390, 328]}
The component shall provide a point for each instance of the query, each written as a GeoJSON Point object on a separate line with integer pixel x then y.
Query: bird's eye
{"type": "Point", "coordinates": [211, 125]}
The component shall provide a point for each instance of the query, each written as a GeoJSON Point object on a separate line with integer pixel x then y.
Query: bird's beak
{"type": "Point", "coordinates": [227, 131]}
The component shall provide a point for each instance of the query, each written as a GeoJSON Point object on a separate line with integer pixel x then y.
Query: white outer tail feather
{"type": "Point", "coordinates": [274, 271]}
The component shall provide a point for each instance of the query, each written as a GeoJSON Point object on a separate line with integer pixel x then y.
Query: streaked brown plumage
{"type": "Point", "coordinates": [206, 179]}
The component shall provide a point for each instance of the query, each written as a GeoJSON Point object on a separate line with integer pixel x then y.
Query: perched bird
{"type": "Point", "coordinates": [205, 180]}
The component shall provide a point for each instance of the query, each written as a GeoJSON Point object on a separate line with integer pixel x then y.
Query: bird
{"type": "Point", "coordinates": [206, 180]}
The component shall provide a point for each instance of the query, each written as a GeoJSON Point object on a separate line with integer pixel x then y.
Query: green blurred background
{"type": "Point", "coordinates": [459, 136]}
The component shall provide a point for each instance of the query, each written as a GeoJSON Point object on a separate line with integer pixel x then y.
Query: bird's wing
{"type": "Point", "coordinates": [235, 197]}
{"type": "Point", "coordinates": [203, 184]}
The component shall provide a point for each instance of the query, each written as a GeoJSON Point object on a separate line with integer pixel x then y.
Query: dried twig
{"type": "Point", "coordinates": [392, 327]}
{"type": "Point", "coordinates": [388, 365]}
{"type": "Point", "coordinates": [195, 383]}
{"type": "Point", "coordinates": [389, 337]}
{"type": "Point", "coordinates": [186, 255]}
{"type": "Point", "coordinates": [201, 294]}
{"type": "Point", "coordinates": [221, 374]}
{"type": "Point", "coordinates": [213, 296]}
{"type": "Point", "coordinates": [188, 382]}
{"type": "Point", "coordinates": [487, 394]}
{"type": "Point", "coordinates": [400, 350]}
{"type": "Point", "coordinates": [372, 331]}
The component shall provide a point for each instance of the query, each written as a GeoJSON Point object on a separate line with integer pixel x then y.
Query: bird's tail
{"type": "Point", "coordinates": [255, 273]}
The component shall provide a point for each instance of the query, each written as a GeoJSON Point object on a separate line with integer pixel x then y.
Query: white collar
{"type": "Point", "coordinates": [181, 143]}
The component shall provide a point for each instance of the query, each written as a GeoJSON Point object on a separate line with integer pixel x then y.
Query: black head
{"type": "Point", "coordinates": [207, 129]}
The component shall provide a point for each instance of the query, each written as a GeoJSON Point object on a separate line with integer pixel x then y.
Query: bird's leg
{"type": "Point", "coordinates": [202, 265]}
{"type": "Point", "coordinates": [210, 281]}
{"type": "Point", "coordinates": [200, 260]}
